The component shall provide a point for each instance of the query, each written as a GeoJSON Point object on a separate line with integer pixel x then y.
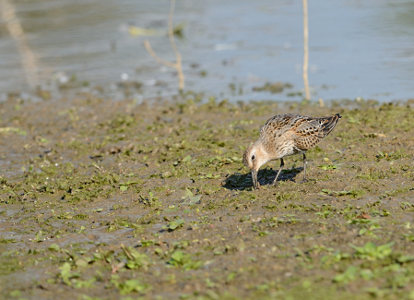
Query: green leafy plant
{"type": "Point", "coordinates": [184, 260]}
{"type": "Point", "coordinates": [350, 274]}
{"type": "Point", "coordinates": [175, 224]}
{"type": "Point", "coordinates": [66, 273]}
{"type": "Point", "coordinates": [327, 167]}
{"type": "Point", "coordinates": [372, 252]}
{"type": "Point", "coordinates": [135, 260]}
{"type": "Point", "coordinates": [353, 193]}
{"type": "Point", "coordinates": [129, 286]}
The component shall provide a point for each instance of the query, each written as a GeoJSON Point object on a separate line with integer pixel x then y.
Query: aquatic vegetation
{"type": "Point", "coordinates": [136, 260]}
{"type": "Point", "coordinates": [273, 88]}
{"type": "Point", "coordinates": [184, 260]}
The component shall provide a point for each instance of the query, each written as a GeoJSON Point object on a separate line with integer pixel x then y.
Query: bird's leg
{"type": "Point", "coordinates": [256, 183]}
{"type": "Point", "coordinates": [305, 163]}
{"type": "Point", "coordinates": [282, 163]}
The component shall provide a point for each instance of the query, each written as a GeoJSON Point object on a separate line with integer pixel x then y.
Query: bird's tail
{"type": "Point", "coordinates": [329, 123]}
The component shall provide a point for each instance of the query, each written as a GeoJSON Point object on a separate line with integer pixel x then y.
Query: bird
{"type": "Point", "coordinates": [283, 135]}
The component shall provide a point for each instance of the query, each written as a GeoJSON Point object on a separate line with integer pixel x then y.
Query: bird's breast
{"type": "Point", "coordinates": [282, 149]}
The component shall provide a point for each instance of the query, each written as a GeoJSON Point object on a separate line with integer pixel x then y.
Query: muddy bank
{"type": "Point", "coordinates": [102, 200]}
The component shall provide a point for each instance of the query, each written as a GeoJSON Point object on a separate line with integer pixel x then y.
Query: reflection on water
{"type": "Point", "coordinates": [357, 48]}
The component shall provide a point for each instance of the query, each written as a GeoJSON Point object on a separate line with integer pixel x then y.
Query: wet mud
{"type": "Point", "coordinates": [125, 200]}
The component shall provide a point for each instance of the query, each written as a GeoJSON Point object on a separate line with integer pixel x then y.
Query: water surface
{"type": "Point", "coordinates": [357, 48]}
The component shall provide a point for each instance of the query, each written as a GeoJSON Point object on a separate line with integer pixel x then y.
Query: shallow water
{"type": "Point", "coordinates": [357, 48]}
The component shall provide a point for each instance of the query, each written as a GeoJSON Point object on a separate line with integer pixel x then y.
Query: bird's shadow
{"type": "Point", "coordinates": [266, 176]}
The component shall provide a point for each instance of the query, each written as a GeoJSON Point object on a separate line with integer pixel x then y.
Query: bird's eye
{"type": "Point", "coordinates": [253, 157]}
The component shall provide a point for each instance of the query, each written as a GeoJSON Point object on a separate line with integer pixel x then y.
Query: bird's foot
{"type": "Point", "coordinates": [304, 180]}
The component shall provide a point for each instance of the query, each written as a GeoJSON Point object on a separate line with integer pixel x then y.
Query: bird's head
{"type": "Point", "coordinates": [254, 157]}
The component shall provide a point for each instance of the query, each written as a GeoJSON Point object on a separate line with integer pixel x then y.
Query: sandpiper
{"type": "Point", "coordinates": [284, 135]}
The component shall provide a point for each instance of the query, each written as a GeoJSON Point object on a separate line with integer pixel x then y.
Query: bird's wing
{"type": "Point", "coordinates": [308, 133]}
{"type": "Point", "coordinates": [308, 127]}
{"type": "Point", "coordinates": [278, 124]}
{"type": "Point", "coordinates": [311, 130]}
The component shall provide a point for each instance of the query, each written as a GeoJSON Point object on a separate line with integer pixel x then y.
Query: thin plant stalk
{"type": "Point", "coordinates": [305, 49]}
{"type": "Point", "coordinates": [177, 65]}
{"type": "Point", "coordinates": [29, 60]}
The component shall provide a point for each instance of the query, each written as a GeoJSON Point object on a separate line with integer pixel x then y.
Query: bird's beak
{"type": "Point", "coordinates": [256, 184]}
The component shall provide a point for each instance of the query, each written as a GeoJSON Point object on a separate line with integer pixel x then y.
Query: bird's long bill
{"type": "Point", "coordinates": [254, 178]}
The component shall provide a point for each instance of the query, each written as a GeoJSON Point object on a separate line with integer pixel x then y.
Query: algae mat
{"type": "Point", "coordinates": [125, 200]}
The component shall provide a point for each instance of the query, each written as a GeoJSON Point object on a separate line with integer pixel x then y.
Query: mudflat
{"type": "Point", "coordinates": [124, 200]}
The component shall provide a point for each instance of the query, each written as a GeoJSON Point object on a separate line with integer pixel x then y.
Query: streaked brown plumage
{"type": "Point", "coordinates": [284, 135]}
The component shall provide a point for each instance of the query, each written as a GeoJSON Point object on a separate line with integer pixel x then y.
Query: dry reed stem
{"type": "Point", "coordinates": [29, 61]}
{"type": "Point", "coordinates": [178, 63]}
{"type": "Point", "coordinates": [161, 61]}
{"type": "Point", "coordinates": [305, 49]}
{"type": "Point", "coordinates": [321, 103]}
